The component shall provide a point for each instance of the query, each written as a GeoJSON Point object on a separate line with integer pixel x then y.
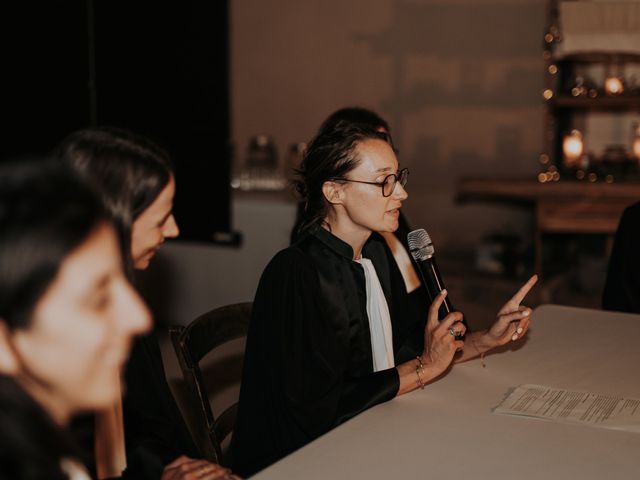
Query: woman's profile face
{"type": "Point", "coordinates": [365, 206]}
{"type": "Point", "coordinates": [152, 227]}
{"type": "Point", "coordinates": [72, 353]}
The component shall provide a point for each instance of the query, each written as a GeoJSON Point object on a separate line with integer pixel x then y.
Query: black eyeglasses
{"type": "Point", "coordinates": [388, 185]}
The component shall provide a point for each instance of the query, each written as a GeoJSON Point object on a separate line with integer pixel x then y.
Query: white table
{"type": "Point", "coordinates": [447, 430]}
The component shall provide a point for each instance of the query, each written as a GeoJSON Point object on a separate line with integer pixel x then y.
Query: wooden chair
{"type": "Point", "coordinates": [192, 343]}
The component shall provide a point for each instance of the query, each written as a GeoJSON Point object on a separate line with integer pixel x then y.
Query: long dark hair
{"type": "Point", "coordinates": [359, 116]}
{"type": "Point", "coordinates": [46, 212]}
{"type": "Point", "coordinates": [330, 155]}
{"type": "Point", "coordinates": [127, 170]}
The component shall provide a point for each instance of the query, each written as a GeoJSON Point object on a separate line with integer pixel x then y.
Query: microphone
{"type": "Point", "coordinates": [422, 251]}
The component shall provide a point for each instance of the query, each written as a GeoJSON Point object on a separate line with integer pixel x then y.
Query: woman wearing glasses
{"type": "Point", "coordinates": [416, 301]}
{"type": "Point", "coordinates": [327, 339]}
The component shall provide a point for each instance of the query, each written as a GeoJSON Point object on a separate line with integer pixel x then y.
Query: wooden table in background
{"type": "Point", "coordinates": [560, 207]}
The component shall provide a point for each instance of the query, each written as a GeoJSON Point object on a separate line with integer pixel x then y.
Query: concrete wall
{"type": "Point", "coordinates": [187, 279]}
{"type": "Point", "coordinates": [459, 80]}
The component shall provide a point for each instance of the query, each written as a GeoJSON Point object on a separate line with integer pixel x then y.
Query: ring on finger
{"type": "Point", "coordinates": [204, 470]}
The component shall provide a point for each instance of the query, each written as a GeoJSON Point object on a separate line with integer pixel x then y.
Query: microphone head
{"type": "Point", "coordinates": [420, 245]}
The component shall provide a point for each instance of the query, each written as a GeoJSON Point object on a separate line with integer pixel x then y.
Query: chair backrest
{"type": "Point", "coordinates": [192, 343]}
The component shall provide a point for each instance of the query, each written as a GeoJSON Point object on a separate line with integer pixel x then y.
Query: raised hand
{"type": "Point", "coordinates": [513, 318]}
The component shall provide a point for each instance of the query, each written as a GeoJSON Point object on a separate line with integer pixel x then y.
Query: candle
{"type": "Point", "coordinates": [572, 147]}
{"type": "Point", "coordinates": [636, 147]}
{"type": "Point", "coordinates": [613, 86]}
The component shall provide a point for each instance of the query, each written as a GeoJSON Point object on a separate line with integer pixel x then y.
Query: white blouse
{"type": "Point", "coordinates": [379, 319]}
{"type": "Point", "coordinates": [74, 469]}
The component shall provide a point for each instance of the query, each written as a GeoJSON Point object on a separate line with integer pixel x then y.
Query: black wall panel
{"type": "Point", "coordinates": [159, 68]}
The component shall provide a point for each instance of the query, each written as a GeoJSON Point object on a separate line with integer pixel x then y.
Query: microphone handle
{"type": "Point", "coordinates": [434, 285]}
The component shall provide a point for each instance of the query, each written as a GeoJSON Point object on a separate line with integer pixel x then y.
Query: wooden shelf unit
{"type": "Point", "coordinates": [559, 207]}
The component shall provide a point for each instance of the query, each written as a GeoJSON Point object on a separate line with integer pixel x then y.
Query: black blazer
{"type": "Point", "coordinates": [155, 431]}
{"type": "Point", "coordinates": [622, 288]}
{"type": "Point", "coordinates": [31, 444]}
{"type": "Point", "coordinates": [308, 363]}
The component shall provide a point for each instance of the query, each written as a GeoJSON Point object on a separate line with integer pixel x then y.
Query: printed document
{"type": "Point", "coordinates": [572, 406]}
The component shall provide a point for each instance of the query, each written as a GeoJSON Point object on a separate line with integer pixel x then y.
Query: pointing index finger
{"type": "Point", "coordinates": [520, 294]}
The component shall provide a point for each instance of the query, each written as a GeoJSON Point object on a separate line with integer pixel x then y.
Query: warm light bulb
{"type": "Point", "coordinates": [635, 141]}
{"type": "Point", "coordinates": [636, 147]}
{"type": "Point", "coordinates": [613, 86]}
{"type": "Point", "coordinates": [572, 147]}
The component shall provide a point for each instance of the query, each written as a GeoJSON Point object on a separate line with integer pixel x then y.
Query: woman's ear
{"type": "Point", "coordinates": [9, 363]}
{"type": "Point", "coordinates": [332, 191]}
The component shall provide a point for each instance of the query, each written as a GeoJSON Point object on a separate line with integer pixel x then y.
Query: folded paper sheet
{"type": "Point", "coordinates": [572, 406]}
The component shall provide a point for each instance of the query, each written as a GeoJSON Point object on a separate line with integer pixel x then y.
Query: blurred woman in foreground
{"type": "Point", "coordinates": [67, 317]}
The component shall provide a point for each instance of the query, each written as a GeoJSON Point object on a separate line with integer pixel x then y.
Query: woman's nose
{"type": "Point", "coordinates": [171, 229]}
{"type": "Point", "coordinates": [134, 315]}
{"type": "Point", "coordinates": [399, 192]}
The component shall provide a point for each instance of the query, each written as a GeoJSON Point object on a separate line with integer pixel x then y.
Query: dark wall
{"type": "Point", "coordinates": [460, 83]}
{"type": "Point", "coordinates": [45, 74]}
{"type": "Point", "coordinates": [158, 68]}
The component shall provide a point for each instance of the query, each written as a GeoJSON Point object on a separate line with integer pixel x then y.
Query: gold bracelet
{"type": "Point", "coordinates": [420, 369]}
